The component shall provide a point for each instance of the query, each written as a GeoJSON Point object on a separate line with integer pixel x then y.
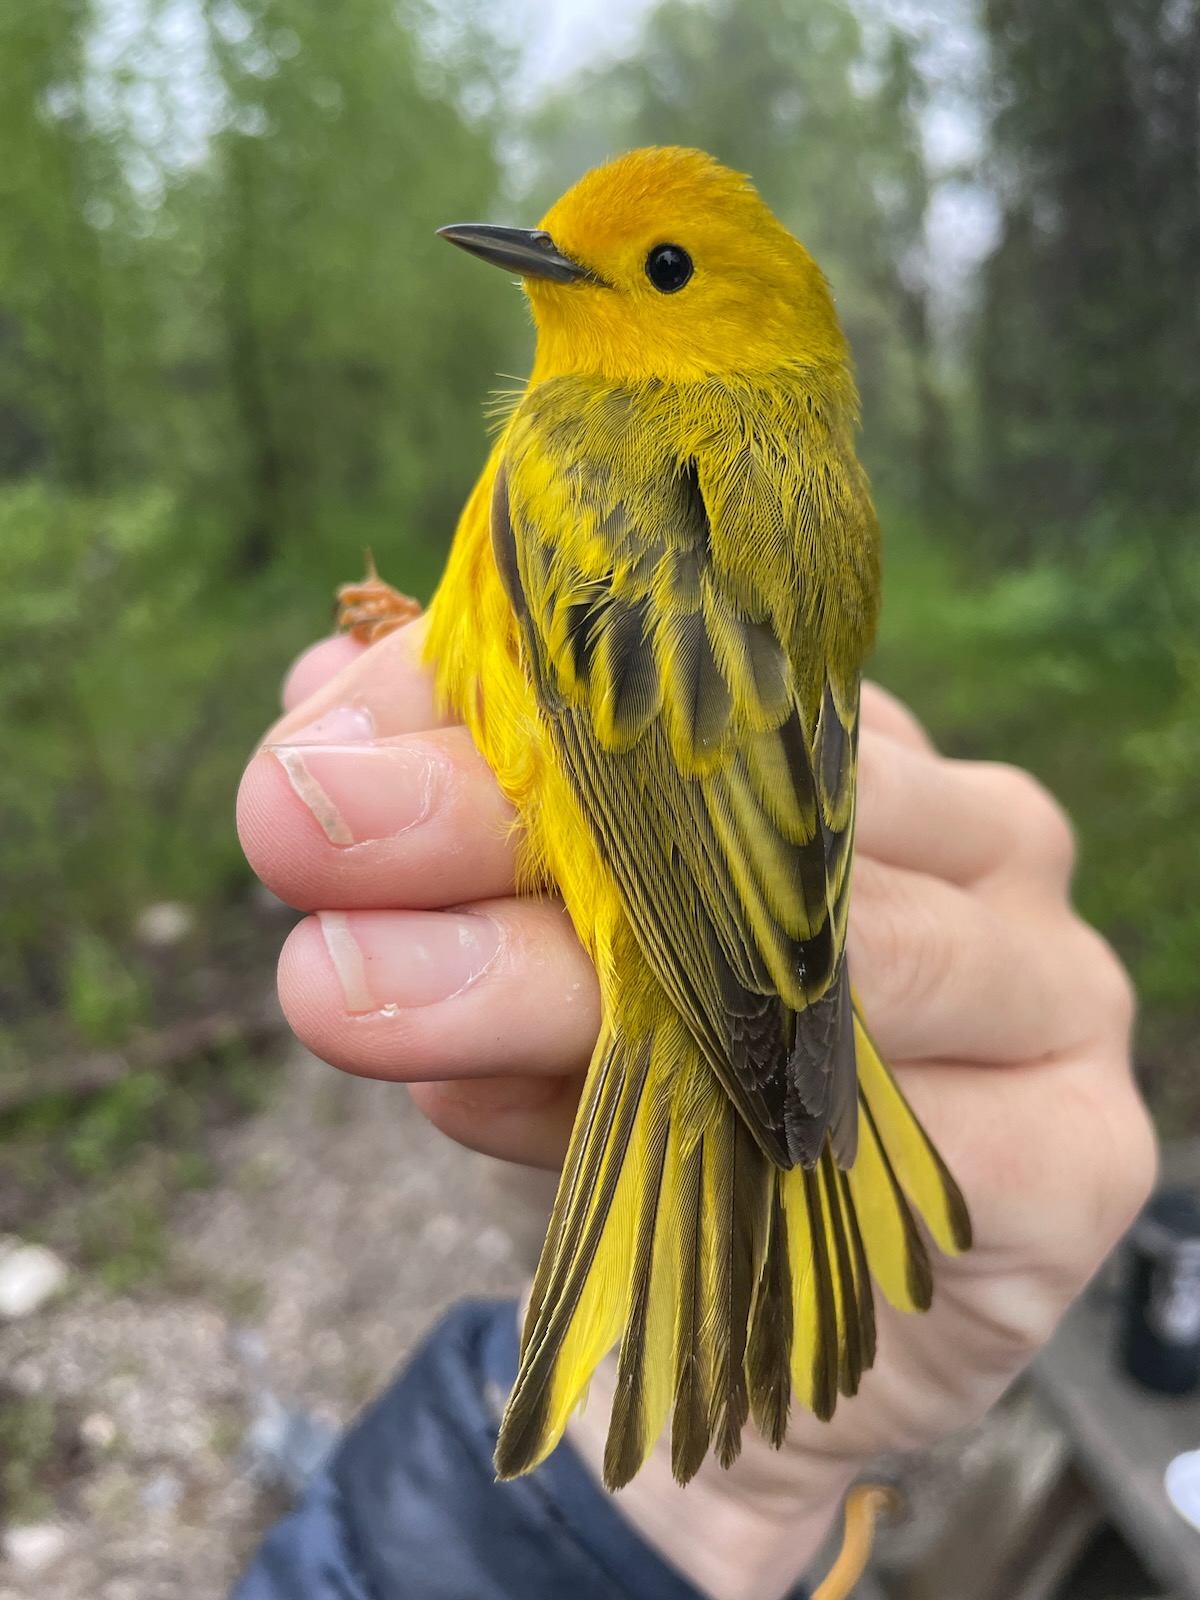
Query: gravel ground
{"type": "Point", "coordinates": [338, 1229]}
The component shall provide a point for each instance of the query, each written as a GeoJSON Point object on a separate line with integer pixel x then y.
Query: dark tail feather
{"type": "Point", "coordinates": [824, 1348]}
{"type": "Point", "coordinates": [862, 1276]}
{"type": "Point", "coordinates": [768, 1354]}
{"type": "Point", "coordinates": [736, 1225]}
{"type": "Point", "coordinates": [691, 1430]}
{"type": "Point", "coordinates": [630, 1427]}
{"type": "Point", "coordinates": [853, 1343]}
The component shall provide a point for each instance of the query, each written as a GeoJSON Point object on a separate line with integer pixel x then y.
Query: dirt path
{"type": "Point", "coordinates": [339, 1227]}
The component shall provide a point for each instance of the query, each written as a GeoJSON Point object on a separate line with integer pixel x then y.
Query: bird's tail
{"type": "Point", "coordinates": [729, 1283]}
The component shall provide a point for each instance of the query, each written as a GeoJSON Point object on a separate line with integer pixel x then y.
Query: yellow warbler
{"type": "Point", "coordinates": [654, 621]}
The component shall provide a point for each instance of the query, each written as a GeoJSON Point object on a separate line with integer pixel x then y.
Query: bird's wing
{"type": "Point", "coordinates": [712, 755]}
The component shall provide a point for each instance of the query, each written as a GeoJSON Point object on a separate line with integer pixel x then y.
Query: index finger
{"type": "Point", "coordinates": [381, 691]}
{"type": "Point", "coordinates": [883, 713]}
{"type": "Point", "coordinates": [313, 669]}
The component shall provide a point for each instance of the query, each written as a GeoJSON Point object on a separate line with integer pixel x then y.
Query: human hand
{"type": "Point", "coordinates": [1006, 1018]}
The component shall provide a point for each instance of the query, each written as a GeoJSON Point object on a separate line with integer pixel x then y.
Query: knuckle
{"type": "Point", "coordinates": [1117, 996]}
{"type": "Point", "coordinates": [1109, 1159]}
{"type": "Point", "coordinates": [884, 714]}
{"type": "Point", "coordinates": [899, 940]}
{"type": "Point", "coordinates": [1112, 999]}
{"type": "Point", "coordinates": [1040, 828]}
{"type": "Point", "coordinates": [1141, 1162]}
{"type": "Point", "coordinates": [1130, 1168]}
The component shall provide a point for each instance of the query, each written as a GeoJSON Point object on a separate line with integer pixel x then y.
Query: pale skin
{"type": "Point", "coordinates": [1006, 1017]}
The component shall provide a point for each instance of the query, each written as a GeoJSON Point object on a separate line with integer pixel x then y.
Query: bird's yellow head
{"type": "Point", "coordinates": [666, 264]}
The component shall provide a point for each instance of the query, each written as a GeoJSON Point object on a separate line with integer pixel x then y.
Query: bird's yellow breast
{"type": "Point", "coordinates": [474, 649]}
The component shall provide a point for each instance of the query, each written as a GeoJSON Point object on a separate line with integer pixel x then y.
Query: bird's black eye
{"type": "Point", "coordinates": [668, 266]}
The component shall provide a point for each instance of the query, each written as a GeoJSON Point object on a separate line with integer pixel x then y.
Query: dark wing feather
{"type": "Point", "coordinates": [716, 779]}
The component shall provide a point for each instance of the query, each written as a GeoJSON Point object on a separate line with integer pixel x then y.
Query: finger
{"type": "Point", "coordinates": [409, 822]}
{"type": "Point", "coordinates": [384, 690]}
{"type": "Point", "coordinates": [320, 662]}
{"type": "Point", "coordinates": [425, 995]}
{"type": "Point", "coordinates": [960, 820]}
{"type": "Point", "coordinates": [946, 975]}
{"type": "Point", "coordinates": [524, 1119]}
{"type": "Point", "coordinates": [883, 713]}
{"type": "Point", "coordinates": [1072, 1133]}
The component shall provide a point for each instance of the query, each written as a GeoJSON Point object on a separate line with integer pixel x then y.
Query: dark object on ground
{"type": "Point", "coordinates": [1160, 1335]}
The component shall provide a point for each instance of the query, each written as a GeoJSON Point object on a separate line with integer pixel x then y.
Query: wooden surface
{"type": "Point", "coordinates": [1122, 1437]}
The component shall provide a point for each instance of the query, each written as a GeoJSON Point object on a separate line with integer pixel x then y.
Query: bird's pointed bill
{"type": "Point", "coordinates": [528, 251]}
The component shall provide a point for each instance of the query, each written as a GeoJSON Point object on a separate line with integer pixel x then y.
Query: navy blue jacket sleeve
{"type": "Point", "coordinates": [409, 1505]}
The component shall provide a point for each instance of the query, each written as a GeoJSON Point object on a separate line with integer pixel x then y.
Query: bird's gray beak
{"type": "Point", "coordinates": [529, 251]}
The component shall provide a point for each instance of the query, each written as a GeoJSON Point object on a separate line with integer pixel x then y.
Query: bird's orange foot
{"type": "Point", "coordinates": [372, 608]}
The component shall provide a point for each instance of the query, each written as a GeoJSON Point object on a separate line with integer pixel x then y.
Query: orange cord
{"type": "Point", "coordinates": [864, 1503]}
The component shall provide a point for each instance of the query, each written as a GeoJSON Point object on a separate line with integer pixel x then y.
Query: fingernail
{"type": "Point", "coordinates": [339, 725]}
{"type": "Point", "coordinates": [389, 960]}
{"type": "Point", "coordinates": [360, 791]}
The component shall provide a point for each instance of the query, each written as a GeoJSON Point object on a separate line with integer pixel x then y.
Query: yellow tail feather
{"type": "Point", "coordinates": [719, 1274]}
{"type": "Point", "coordinates": [921, 1172]}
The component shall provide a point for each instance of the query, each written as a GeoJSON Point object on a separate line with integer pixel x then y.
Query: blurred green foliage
{"type": "Point", "coordinates": [232, 354]}
{"type": "Point", "coordinates": [97, 1177]}
{"type": "Point", "coordinates": [1074, 671]}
